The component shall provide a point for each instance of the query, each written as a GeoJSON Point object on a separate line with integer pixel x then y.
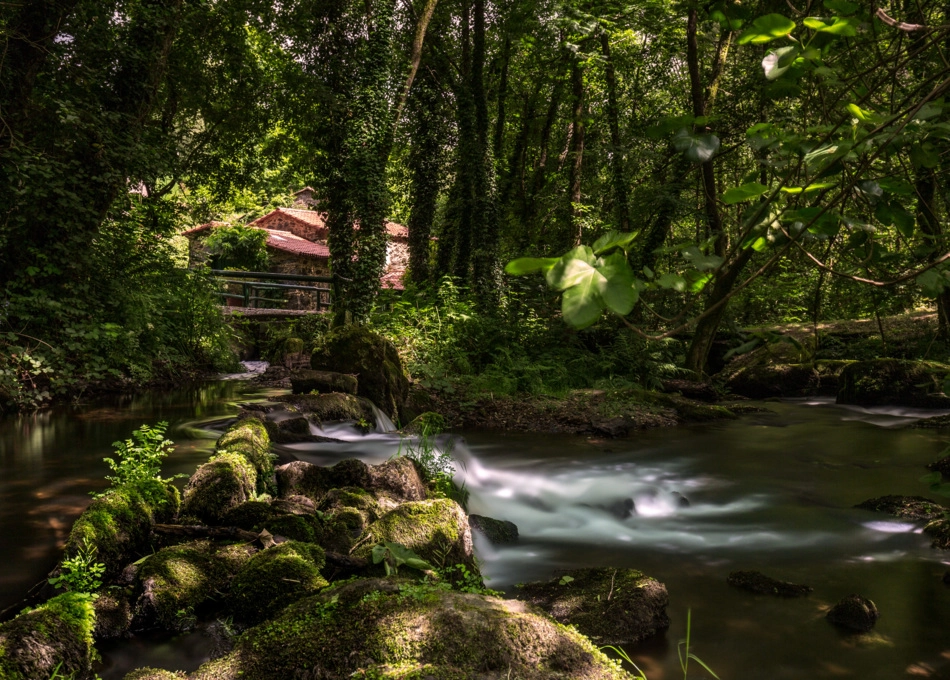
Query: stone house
{"type": "Point", "coordinates": [297, 244]}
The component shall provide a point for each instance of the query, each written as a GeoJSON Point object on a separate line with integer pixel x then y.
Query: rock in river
{"type": "Point", "coordinates": [757, 582]}
{"type": "Point", "coordinates": [854, 613]}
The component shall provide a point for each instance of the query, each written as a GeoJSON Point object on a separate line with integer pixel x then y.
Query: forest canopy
{"type": "Point", "coordinates": [671, 167]}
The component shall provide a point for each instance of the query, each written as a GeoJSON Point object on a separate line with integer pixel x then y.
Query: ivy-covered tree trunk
{"type": "Point", "coordinates": [485, 269]}
{"type": "Point", "coordinates": [425, 161]}
{"type": "Point", "coordinates": [357, 233]}
{"type": "Point", "coordinates": [617, 174]}
{"type": "Point", "coordinates": [576, 152]}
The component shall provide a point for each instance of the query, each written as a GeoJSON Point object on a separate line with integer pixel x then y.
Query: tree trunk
{"type": "Point", "coordinates": [425, 163]}
{"type": "Point", "coordinates": [576, 152]}
{"type": "Point", "coordinates": [618, 179]}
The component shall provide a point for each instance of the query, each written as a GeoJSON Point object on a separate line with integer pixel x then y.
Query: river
{"type": "Point", "coordinates": [770, 491]}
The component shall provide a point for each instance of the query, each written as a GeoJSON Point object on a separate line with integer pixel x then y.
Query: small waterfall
{"type": "Point", "coordinates": [383, 423]}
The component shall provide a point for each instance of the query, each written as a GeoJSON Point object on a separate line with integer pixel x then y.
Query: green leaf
{"type": "Point", "coordinates": [864, 115]}
{"type": "Point", "coordinates": [932, 283]}
{"type": "Point", "coordinates": [932, 478]}
{"type": "Point", "coordinates": [818, 186]}
{"type": "Point", "coordinates": [616, 285]}
{"type": "Point", "coordinates": [743, 193]}
{"type": "Point", "coordinates": [571, 268]}
{"type": "Point", "coordinates": [778, 61]}
{"type": "Point", "coordinates": [929, 110]}
{"type": "Point", "coordinates": [613, 239]}
{"type": "Point", "coordinates": [924, 156]}
{"type": "Point", "coordinates": [839, 26]}
{"type": "Point", "coordinates": [820, 153]}
{"type": "Point", "coordinates": [701, 261]}
{"type": "Point", "coordinates": [673, 282]}
{"type": "Point", "coordinates": [697, 148]}
{"type": "Point", "coordinates": [871, 188]}
{"type": "Point", "coordinates": [743, 348]}
{"type": "Point", "coordinates": [529, 265]}
{"type": "Point", "coordinates": [903, 220]}
{"type": "Point", "coordinates": [766, 28]}
{"type": "Point", "coordinates": [581, 304]}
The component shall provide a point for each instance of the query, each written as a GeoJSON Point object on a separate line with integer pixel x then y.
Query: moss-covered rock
{"type": "Point", "coordinates": [332, 407]}
{"type": "Point", "coordinates": [905, 507]}
{"type": "Point", "coordinates": [307, 382]}
{"type": "Point", "coordinates": [54, 637]}
{"type": "Point", "coordinates": [942, 466]}
{"type": "Point", "coordinates": [497, 531]}
{"type": "Point", "coordinates": [771, 380]}
{"type": "Point", "coordinates": [274, 578]}
{"type": "Point", "coordinates": [248, 515]}
{"type": "Point", "coordinates": [386, 628]}
{"type": "Point", "coordinates": [883, 382]}
{"type": "Point", "coordinates": [611, 606]}
{"type": "Point", "coordinates": [153, 674]}
{"type": "Point", "coordinates": [175, 582]}
{"type": "Point", "coordinates": [314, 481]}
{"type": "Point", "coordinates": [854, 613]}
{"type": "Point", "coordinates": [397, 480]}
{"type": "Point", "coordinates": [113, 615]}
{"type": "Point", "coordinates": [356, 350]}
{"type": "Point", "coordinates": [223, 483]}
{"type": "Point", "coordinates": [437, 530]}
{"type": "Point", "coordinates": [248, 437]}
{"type": "Point", "coordinates": [939, 532]}
{"type": "Point", "coordinates": [759, 583]}
{"type": "Point", "coordinates": [355, 507]}
{"type": "Point", "coordinates": [118, 523]}
{"type": "Point", "coordinates": [291, 430]}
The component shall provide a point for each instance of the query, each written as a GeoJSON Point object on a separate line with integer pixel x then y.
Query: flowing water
{"type": "Point", "coordinates": [771, 491]}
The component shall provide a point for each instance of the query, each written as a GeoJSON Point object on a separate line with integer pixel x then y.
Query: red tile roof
{"type": "Point", "coordinates": [291, 243]}
{"type": "Point", "coordinates": [311, 217]}
{"type": "Point", "coordinates": [202, 227]}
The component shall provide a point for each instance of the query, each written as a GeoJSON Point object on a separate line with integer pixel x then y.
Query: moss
{"type": "Point", "coordinates": [223, 483]}
{"type": "Point", "coordinates": [894, 382]}
{"type": "Point", "coordinates": [437, 530]}
{"type": "Point", "coordinates": [906, 507]}
{"type": "Point", "coordinates": [612, 606]}
{"type": "Point", "coordinates": [353, 506]}
{"type": "Point", "coordinates": [113, 615]}
{"type": "Point", "coordinates": [153, 674]}
{"type": "Point", "coordinates": [294, 527]}
{"type": "Point", "coordinates": [248, 437]}
{"type": "Point", "coordinates": [380, 628]}
{"type": "Point", "coordinates": [55, 634]}
{"type": "Point", "coordinates": [248, 515]}
{"type": "Point", "coordinates": [939, 532]}
{"type": "Point", "coordinates": [762, 377]}
{"type": "Point", "coordinates": [119, 522]}
{"type": "Point", "coordinates": [274, 578]}
{"type": "Point", "coordinates": [331, 407]}
{"type": "Point", "coordinates": [357, 350]}
{"type": "Point", "coordinates": [175, 582]}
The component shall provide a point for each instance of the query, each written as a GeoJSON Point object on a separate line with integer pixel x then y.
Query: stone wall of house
{"type": "Point", "coordinates": [397, 254]}
{"type": "Point", "coordinates": [282, 262]}
{"type": "Point", "coordinates": [284, 222]}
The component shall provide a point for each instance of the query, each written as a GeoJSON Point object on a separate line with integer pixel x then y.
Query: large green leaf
{"type": "Point", "coordinates": [766, 28]}
{"type": "Point", "coordinates": [672, 281]}
{"type": "Point", "coordinates": [842, 6]}
{"type": "Point", "coordinates": [581, 304]}
{"type": "Point", "coordinates": [571, 268]}
{"type": "Point", "coordinates": [697, 148]}
{"type": "Point", "coordinates": [743, 193]}
{"type": "Point", "coordinates": [778, 61]}
{"type": "Point", "coordinates": [616, 284]}
{"type": "Point", "coordinates": [864, 115]}
{"type": "Point", "coordinates": [701, 260]}
{"type": "Point", "coordinates": [613, 239]}
{"type": "Point", "coordinates": [529, 265]}
{"type": "Point", "coordinates": [903, 220]}
{"type": "Point", "coordinates": [817, 186]}
{"type": "Point", "coordinates": [839, 26]}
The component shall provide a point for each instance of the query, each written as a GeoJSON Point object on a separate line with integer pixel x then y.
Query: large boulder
{"type": "Point", "coordinates": [119, 522]}
{"type": "Point", "coordinates": [331, 408]}
{"type": "Point", "coordinates": [397, 480]}
{"type": "Point", "coordinates": [437, 530]}
{"type": "Point", "coordinates": [611, 606]}
{"type": "Point", "coordinates": [175, 582]}
{"type": "Point", "coordinates": [300, 478]}
{"type": "Point", "coordinates": [372, 358]}
{"type": "Point", "coordinates": [854, 613]}
{"type": "Point", "coordinates": [274, 578]}
{"type": "Point", "coordinates": [772, 380]}
{"type": "Point", "coordinates": [893, 382]}
{"type": "Point", "coordinates": [223, 483]}
{"type": "Point", "coordinates": [315, 382]}
{"type": "Point", "coordinates": [389, 628]}
{"type": "Point", "coordinates": [55, 637]}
